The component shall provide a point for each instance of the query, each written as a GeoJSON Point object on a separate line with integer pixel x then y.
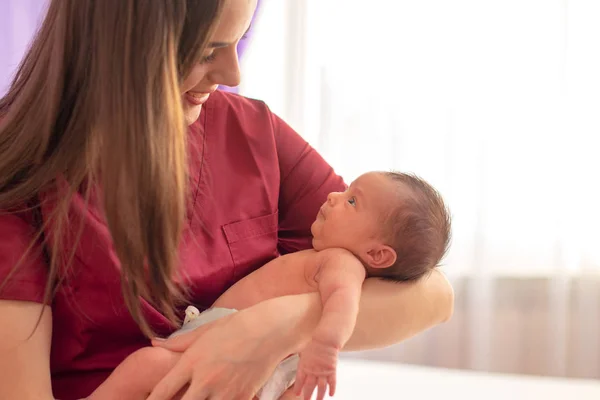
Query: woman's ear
{"type": "Point", "coordinates": [380, 256]}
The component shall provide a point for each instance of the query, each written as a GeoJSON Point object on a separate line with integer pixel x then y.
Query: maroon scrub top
{"type": "Point", "coordinates": [257, 187]}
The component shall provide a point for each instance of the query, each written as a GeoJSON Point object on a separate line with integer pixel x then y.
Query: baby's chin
{"type": "Point", "coordinates": [314, 230]}
{"type": "Point", "coordinates": [317, 244]}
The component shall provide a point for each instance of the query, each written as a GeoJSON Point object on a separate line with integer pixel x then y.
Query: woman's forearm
{"type": "Point", "coordinates": [393, 312]}
{"type": "Point", "coordinates": [389, 313]}
{"type": "Point", "coordinates": [291, 320]}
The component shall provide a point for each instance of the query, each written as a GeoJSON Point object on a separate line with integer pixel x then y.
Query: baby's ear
{"type": "Point", "coordinates": [380, 256]}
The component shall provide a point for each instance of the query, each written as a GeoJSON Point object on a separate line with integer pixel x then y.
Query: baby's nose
{"type": "Point", "coordinates": [332, 198]}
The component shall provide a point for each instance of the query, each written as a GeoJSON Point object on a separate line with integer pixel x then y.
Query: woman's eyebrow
{"type": "Point", "coordinates": [216, 45]}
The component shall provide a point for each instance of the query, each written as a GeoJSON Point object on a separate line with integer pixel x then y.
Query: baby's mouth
{"type": "Point", "coordinates": [322, 212]}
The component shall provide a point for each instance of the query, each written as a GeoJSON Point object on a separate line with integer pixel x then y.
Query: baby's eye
{"type": "Point", "coordinates": [352, 201]}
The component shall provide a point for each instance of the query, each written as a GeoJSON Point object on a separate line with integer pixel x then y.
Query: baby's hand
{"type": "Point", "coordinates": [317, 368]}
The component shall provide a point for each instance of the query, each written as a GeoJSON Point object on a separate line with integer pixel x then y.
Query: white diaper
{"type": "Point", "coordinates": [284, 375]}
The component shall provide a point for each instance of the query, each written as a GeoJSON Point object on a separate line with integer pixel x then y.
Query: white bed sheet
{"type": "Point", "coordinates": [363, 379]}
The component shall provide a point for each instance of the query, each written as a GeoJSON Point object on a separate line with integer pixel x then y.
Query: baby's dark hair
{"type": "Point", "coordinates": [418, 229]}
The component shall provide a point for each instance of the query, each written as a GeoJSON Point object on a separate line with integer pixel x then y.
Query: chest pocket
{"type": "Point", "coordinates": [252, 243]}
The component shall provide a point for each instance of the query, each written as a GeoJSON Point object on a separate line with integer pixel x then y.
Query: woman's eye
{"type": "Point", "coordinates": [352, 201]}
{"type": "Point", "coordinates": [208, 58]}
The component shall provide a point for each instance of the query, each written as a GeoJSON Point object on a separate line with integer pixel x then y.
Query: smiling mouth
{"type": "Point", "coordinates": [196, 98]}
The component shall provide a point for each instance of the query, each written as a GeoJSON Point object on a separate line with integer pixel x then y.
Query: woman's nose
{"type": "Point", "coordinates": [227, 71]}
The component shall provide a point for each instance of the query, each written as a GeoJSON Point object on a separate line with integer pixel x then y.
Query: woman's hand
{"type": "Point", "coordinates": [233, 357]}
{"type": "Point", "coordinates": [222, 361]}
{"type": "Point", "coordinates": [266, 333]}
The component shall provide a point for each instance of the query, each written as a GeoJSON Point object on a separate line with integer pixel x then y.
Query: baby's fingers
{"type": "Point", "coordinates": [309, 386]}
{"type": "Point", "coordinates": [322, 385]}
{"type": "Point", "coordinates": [332, 381]}
{"type": "Point", "coordinates": [300, 380]}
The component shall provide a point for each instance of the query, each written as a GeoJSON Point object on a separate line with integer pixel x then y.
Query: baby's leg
{"type": "Point", "coordinates": [137, 375]}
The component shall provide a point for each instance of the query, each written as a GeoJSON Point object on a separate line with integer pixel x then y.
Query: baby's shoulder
{"type": "Point", "coordinates": [300, 256]}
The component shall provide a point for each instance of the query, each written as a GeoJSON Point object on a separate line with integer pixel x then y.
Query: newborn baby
{"type": "Point", "coordinates": [389, 225]}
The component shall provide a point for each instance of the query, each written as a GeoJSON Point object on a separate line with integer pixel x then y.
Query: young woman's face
{"type": "Point", "coordinates": [219, 64]}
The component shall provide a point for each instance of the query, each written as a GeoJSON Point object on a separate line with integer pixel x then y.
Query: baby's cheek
{"type": "Point", "coordinates": [338, 235]}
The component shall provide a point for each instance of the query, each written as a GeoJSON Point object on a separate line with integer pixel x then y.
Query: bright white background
{"type": "Point", "coordinates": [495, 102]}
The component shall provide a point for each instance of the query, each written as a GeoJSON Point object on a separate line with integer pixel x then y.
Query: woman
{"type": "Point", "coordinates": [117, 214]}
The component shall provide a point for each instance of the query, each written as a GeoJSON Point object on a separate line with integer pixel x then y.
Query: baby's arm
{"type": "Point", "coordinates": [339, 277]}
{"type": "Point", "coordinates": [137, 375]}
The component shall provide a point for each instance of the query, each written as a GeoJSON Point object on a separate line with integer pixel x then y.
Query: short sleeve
{"type": "Point", "coordinates": [28, 281]}
{"type": "Point", "coordinates": [306, 179]}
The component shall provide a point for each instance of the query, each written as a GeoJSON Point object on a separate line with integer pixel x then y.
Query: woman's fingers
{"type": "Point", "coordinates": [223, 361]}
{"type": "Point", "coordinates": [171, 384]}
{"type": "Point", "coordinates": [195, 392]}
{"type": "Point", "coordinates": [180, 343]}
{"type": "Point", "coordinates": [290, 395]}
{"type": "Point", "coordinates": [181, 393]}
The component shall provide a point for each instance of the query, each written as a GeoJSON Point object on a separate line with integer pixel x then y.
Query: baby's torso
{"type": "Point", "coordinates": [286, 275]}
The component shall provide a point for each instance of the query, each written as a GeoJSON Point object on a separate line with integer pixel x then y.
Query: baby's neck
{"type": "Point", "coordinates": [368, 269]}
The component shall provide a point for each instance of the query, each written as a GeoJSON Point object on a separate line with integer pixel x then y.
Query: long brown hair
{"type": "Point", "coordinates": [96, 100]}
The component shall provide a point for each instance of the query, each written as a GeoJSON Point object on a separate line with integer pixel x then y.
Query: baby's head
{"type": "Point", "coordinates": [396, 223]}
